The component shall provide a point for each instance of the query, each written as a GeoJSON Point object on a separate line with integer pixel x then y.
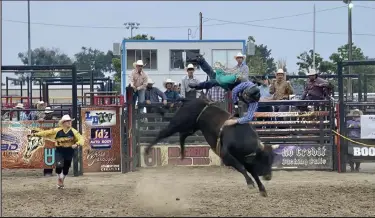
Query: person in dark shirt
{"type": "Point", "coordinates": [316, 87]}
{"type": "Point", "coordinates": [152, 95]}
{"type": "Point", "coordinates": [172, 95]}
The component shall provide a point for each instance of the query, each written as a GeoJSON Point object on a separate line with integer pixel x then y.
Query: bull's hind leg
{"type": "Point", "coordinates": [183, 136]}
{"type": "Point", "coordinates": [164, 133]}
{"type": "Point", "coordinates": [229, 160]}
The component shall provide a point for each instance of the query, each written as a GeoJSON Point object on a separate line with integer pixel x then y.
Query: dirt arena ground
{"type": "Point", "coordinates": [186, 191]}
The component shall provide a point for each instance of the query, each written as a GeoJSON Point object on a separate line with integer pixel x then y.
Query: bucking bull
{"type": "Point", "coordinates": [238, 146]}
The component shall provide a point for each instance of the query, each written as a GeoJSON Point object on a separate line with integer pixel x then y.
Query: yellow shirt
{"type": "Point", "coordinates": [63, 138]}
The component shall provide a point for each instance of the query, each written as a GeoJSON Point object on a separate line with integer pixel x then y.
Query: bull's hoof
{"type": "Point", "coordinates": [263, 193]}
{"type": "Point", "coordinates": [251, 186]}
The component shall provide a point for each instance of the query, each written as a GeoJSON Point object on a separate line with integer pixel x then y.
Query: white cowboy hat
{"type": "Point", "coordinates": [280, 71]}
{"type": "Point", "coordinates": [48, 110]}
{"type": "Point", "coordinates": [64, 118]}
{"type": "Point", "coordinates": [312, 72]}
{"type": "Point", "coordinates": [40, 102]}
{"type": "Point", "coordinates": [190, 66]}
{"type": "Point", "coordinates": [138, 63]}
{"type": "Point", "coordinates": [239, 55]}
{"type": "Point", "coordinates": [168, 81]}
{"type": "Point", "coordinates": [20, 106]}
{"type": "Point", "coordinates": [149, 81]}
{"type": "Point", "coordinates": [355, 112]}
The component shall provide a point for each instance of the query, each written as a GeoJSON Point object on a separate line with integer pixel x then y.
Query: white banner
{"type": "Point", "coordinates": [367, 126]}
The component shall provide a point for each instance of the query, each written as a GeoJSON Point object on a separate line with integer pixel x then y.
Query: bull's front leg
{"type": "Point", "coordinates": [229, 160]}
{"type": "Point", "coordinates": [183, 136]}
{"type": "Point", "coordinates": [261, 187]}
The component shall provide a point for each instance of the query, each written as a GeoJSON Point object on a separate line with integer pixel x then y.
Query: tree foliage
{"type": "Point", "coordinates": [44, 56]}
{"type": "Point", "coordinates": [305, 62]}
{"type": "Point", "coordinates": [94, 60]}
{"type": "Point", "coordinates": [261, 62]}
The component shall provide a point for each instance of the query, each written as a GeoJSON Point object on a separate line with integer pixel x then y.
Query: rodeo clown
{"type": "Point", "coordinates": [67, 139]}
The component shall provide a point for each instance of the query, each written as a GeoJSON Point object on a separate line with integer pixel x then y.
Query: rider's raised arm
{"type": "Point", "coordinates": [78, 137]}
{"type": "Point", "coordinates": [47, 133]}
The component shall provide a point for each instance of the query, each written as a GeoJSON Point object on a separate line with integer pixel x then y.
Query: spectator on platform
{"type": "Point", "coordinates": [281, 89]}
{"type": "Point", "coordinates": [265, 95]}
{"type": "Point", "coordinates": [216, 94]}
{"type": "Point", "coordinates": [138, 81]}
{"type": "Point", "coordinates": [152, 95]}
{"type": "Point", "coordinates": [354, 132]}
{"type": "Point", "coordinates": [40, 106]}
{"type": "Point", "coordinates": [172, 95]}
{"type": "Point", "coordinates": [190, 78]}
{"type": "Point", "coordinates": [316, 88]}
{"type": "Point", "coordinates": [22, 115]}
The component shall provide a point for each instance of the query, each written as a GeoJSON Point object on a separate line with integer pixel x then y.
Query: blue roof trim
{"type": "Point", "coordinates": [185, 40]}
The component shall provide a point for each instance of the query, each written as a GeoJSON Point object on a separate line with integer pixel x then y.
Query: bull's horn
{"type": "Point", "coordinates": [275, 146]}
{"type": "Point", "coordinates": [261, 145]}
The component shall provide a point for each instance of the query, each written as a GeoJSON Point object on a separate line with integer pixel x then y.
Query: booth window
{"type": "Point", "coordinates": [225, 56]}
{"type": "Point", "coordinates": [148, 56]}
{"type": "Point", "coordinates": [176, 60]}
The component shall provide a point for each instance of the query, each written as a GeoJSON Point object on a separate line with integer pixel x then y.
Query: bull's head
{"type": "Point", "coordinates": [101, 117]}
{"type": "Point", "coordinates": [33, 143]}
{"type": "Point", "coordinates": [264, 160]}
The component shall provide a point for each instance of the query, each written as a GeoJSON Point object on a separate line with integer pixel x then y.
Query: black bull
{"type": "Point", "coordinates": [238, 146]}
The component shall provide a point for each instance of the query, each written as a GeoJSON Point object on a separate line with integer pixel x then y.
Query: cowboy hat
{"type": "Point", "coordinates": [190, 66]}
{"type": "Point", "coordinates": [64, 118]}
{"type": "Point", "coordinates": [149, 81]}
{"type": "Point", "coordinates": [48, 110]}
{"type": "Point", "coordinates": [239, 55]}
{"type": "Point", "coordinates": [280, 71]}
{"type": "Point", "coordinates": [355, 112]}
{"type": "Point", "coordinates": [40, 102]}
{"type": "Point", "coordinates": [168, 81]}
{"type": "Point", "coordinates": [312, 72]}
{"type": "Point", "coordinates": [138, 63]}
{"type": "Point", "coordinates": [20, 106]}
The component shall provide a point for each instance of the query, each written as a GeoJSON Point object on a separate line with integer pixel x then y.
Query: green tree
{"type": "Point", "coordinates": [357, 54]}
{"type": "Point", "coordinates": [305, 62]}
{"type": "Point", "coordinates": [261, 62]}
{"type": "Point", "coordinates": [44, 56]}
{"type": "Point", "coordinates": [94, 60]}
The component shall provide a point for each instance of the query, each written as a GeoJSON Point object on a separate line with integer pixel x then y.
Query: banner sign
{"type": "Point", "coordinates": [367, 126]}
{"type": "Point", "coordinates": [309, 157]}
{"type": "Point", "coordinates": [101, 131]}
{"type": "Point", "coordinates": [19, 151]}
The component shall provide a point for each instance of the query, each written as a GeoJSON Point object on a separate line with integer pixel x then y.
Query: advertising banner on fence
{"type": "Point", "coordinates": [367, 126]}
{"type": "Point", "coordinates": [303, 157]}
{"type": "Point", "coordinates": [101, 130]}
{"type": "Point", "coordinates": [20, 151]}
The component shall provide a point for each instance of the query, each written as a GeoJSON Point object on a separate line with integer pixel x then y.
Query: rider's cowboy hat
{"type": "Point", "coordinates": [190, 66]}
{"type": "Point", "coordinates": [66, 117]}
{"type": "Point", "coordinates": [280, 71]}
{"type": "Point", "coordinates": [19, 106]}
{"type": "Point", "coordinates": [149, 81]}
{"type": "Point", "coordinates": [168, 81]}
{"type": "Point", "coordinates": [138, 63]}
{"type": "Point", "coordinates": [48, 110]}
{"type": "Point", "coordinates": [312, 72]}
{"type": "Point", "coordinates": [239, 55]}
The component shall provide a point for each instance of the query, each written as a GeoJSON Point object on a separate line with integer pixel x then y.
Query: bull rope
{"type": "Point", "coordinates": [351, 140]}
{"type": "Point", "coordinates": [218, 147]}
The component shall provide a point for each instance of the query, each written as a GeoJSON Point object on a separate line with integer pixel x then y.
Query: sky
{"type": "Point", "coordinates": [153, 15]}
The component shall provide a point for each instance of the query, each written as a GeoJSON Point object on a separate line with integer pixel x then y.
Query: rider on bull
{"type": "Point", "coordinates": [219, 77]}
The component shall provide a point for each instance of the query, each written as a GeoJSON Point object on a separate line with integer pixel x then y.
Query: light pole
{"type": "Point", "coordinates": [350, 44]}
{"type": "Point", "coordinates": [29, 47]}
{"type": "Point", "coordinates": [131, 26]}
